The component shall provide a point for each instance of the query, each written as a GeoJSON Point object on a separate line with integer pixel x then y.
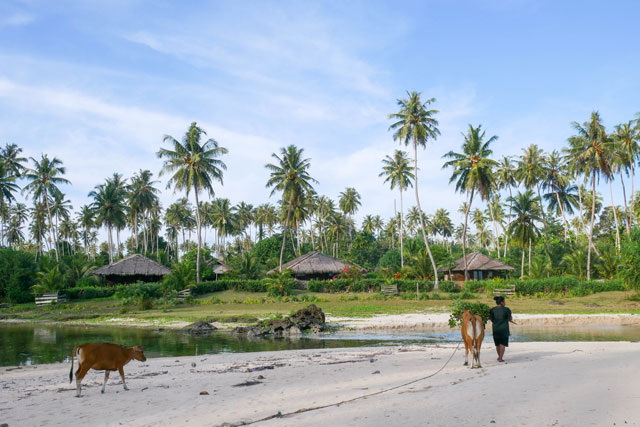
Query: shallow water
{"type": "Point", "coordinates": [23, 344]}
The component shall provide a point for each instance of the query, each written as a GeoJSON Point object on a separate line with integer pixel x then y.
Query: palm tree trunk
{"type": "Point", "coordinates": [110, 241]}
{"type": "Point", "coordinates": [529, 269]}
{"type": "Point", "coordinates": [546, 226]}
{"type": "Point", "coordinates": [495, 227]}
{"type": "Point", "coordinates": [199, 225]}
{"type": "Point", "coordinates": [615, 215]}
{"type": "Point", "coordinates": [593, 215]}
{"type": "Point", "coordinates": [626, 207]}
{"type": "Point", "coordinates": [401, 232]}
{"type": "Point", "coordinates": [506, 235]}
{"type": "Point", "coordinates": [564, 217]}
{"type": "Point", "coordinates": [51, 229]}
{"type": "Point", "coordinates": [284, 233]}
{"type": "Point", "coordinates": [424, 233]}
{"type": "Point", "coordinates": [522, 264]}
{"type": "Point", "coordinates": [464, 235]}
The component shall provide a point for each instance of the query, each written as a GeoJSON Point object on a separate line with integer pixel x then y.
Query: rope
{"type": "Point", "coordinates": [315, 408]}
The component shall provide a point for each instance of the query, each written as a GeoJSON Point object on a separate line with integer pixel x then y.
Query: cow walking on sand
{"type": "Point", "coordinates": [472, 335]}
{"type": "Point", "coordinates": [107, 357]}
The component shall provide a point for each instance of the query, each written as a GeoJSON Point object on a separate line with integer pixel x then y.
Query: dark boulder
{"type": "Point", "coordinates": [200, 328]}
{"type": "Point", "coordinates": [309, 317]}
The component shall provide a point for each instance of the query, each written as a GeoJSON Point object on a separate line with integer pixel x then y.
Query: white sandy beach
{"type": "Point", "coordinates": [542, 384]}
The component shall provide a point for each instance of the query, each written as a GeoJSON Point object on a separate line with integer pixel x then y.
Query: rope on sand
{"type": "Point", "coordinates": [364, 396]}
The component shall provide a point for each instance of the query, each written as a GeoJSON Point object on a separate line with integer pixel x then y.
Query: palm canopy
{"type": "Point", "coordinates": [415, 122]}
{"type": "Point", "coordinates": [44, 177]}
{"type": "Point", "coordinates": [473, 169]}
{"type": "Point", "coordinates": [531, 168]}
{"type": "Point", "coordinates": [193, 163]}
{"type": "Point", "coordinates": [397, 171]}
{"type": "Point", "coordinates": [10, 157]}
{"type": "Point", "coordinates": [291, 173]}
{"type": "Point", "coordinates": [349, 201]}
{"type": "Point", "coordinates": [526, 213]}
{"type": "Point", "coordinates": [7, 184]}
{"type": "Point", "coordinates": [588, 150]}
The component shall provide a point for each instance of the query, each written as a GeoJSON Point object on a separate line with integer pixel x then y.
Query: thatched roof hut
{"type": "Point", "coordinates": [133, 268]}
{"type": "Point", "coordinates": [479, 266]}
{"type": "Point", "coordinates": [313, 265]}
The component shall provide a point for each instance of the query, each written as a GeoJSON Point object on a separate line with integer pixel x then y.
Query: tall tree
{"type": "Point", "coordinates": [555, 179]}
{"type": "Point", "coordinates": [10, 157]}
{"type": "Point", "coordinates": [532, 171]}
{"type": "Point", "coordinates": [289, 175]}
{"type": "Point", "coordinates": [194, 166]}
{"type": "Point", "coordinates": [627, 136]}
{"type": "Point", "coordinates": [523, 228]}
{"type": "Point", "coordinates": [44, 178]}
{"type": "Point", "coordinates": [472, 172]}
{"type": "Point", "coordinates": [349, 203]}
{"type": "Point", "coordinates": [397, 173]}
{"type": "Point", "coordinates": [587, 154]}
{"type": "Point", "coordinates": [415, 124]}
{"type": "Point", "coordinates": [109, 207]}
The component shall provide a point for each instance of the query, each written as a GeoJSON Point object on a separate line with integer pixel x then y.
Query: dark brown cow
{"type": "Point", "coordinates": [472, 334]}
{"type": "Point", "coordinates": [107, 357]}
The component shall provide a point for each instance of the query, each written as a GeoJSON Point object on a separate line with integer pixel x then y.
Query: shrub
{"type": "Point", "coordinates": [280, 284]}
{"type": "Point", "coordinates": [89, 292]}
{"type": "Point", "coordinates": [447, 286]}
{"type": "Point", "coordinates": [17, 275]}
{"type": "Point", "coordinates": [458, 306]}
{"type": "Point", "coordinates": [140, 291]}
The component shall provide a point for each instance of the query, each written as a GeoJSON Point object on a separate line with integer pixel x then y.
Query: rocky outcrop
{"type": "Point", "coordinates": [310, 318]}
{"type": "Point", "coordinates": [200, 328]}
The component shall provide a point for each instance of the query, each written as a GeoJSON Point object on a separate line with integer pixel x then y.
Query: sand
{"type": "Point", "coordinates": [541, 384]}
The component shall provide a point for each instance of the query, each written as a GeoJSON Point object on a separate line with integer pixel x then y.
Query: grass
{"type": "Point", "coordinates": [232, 306]}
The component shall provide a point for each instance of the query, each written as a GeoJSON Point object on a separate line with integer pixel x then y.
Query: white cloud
{"type": "Point", "coordinates": [17, 19]}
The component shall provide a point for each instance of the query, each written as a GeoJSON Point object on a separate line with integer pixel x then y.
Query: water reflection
{"type": "Point", "coordinates": [36, 344]}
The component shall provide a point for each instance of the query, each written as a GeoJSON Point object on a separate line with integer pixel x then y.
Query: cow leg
{"type": "Point", "coordinates": [80, 373]}
{"type": "Point", "coordinates": [121, 370]}
{"type": "Point", "coordinates": [106, 378]}
{"type": "Point", "coordinates": [466, 354]}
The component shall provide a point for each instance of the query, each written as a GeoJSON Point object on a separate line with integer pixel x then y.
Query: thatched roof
{"type": "Point", "coordinates": [221, 268]}
{"type": "Point", "coordinates": [478, 261]}
{"type": "Point", "coordinates": [313, 263]}
{"type": "Point", "coordinates": [133, 265]}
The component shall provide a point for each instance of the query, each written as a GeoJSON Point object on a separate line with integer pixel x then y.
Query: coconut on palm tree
{"type": "Point", "coordinates": [472, 172]}
{"type": "Point", "coordinates": [415, 124]}
{"type": "Point", "coordinates": [194, 165]}
{"type": "Point", "coordinates": [397, 173]}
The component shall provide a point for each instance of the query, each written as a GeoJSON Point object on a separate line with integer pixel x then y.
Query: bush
{"type": "Point", "coordinates": [89, 292]}
{"type": "Point", "coordinates": [17, 275]}
{"type": "Point", "coordinates": [140, 290]}
{"type": "Point", "coordinates": [563, 284]}
{"type": "Point", "coordinates": [458, 306]}
{"type": "Point", "coordinates": [447, 286]}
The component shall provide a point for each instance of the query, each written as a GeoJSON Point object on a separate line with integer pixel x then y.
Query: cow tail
{"type": "Point", "coordinates": [73, 352]}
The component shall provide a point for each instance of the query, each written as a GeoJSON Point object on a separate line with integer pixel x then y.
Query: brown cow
{"type": "Point", "coordinates": [472, 334]}
{"type": "Point", "coordinates": [107, 357]}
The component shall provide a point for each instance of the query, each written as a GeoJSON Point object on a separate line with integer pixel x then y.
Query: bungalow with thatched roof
{"type": "Point", "coordinates": [479, 267]}
{"type": "Point", "coordinates": [131, 269]}
{"type": "Point", "coordinates": [313, 265]}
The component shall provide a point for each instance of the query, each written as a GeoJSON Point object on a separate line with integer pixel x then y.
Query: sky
{"type": "Point", "coordinates": [98, 84]}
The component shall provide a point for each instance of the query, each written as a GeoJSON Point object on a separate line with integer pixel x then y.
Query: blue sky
{"type": "Point", "coordinates": [98, 84]}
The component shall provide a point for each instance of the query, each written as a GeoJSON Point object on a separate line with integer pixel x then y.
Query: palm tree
{"type": "Point", "coordinates": [290, 176]}
{"type": "Point", "coordinates": [588, 155]}
{"type": "Point", "coordinates": [368, 225]}
{"type": "Point", "coordinates": [195, 166]}
{"type": "Point", "coordinates": [9, 157]}
{"type": "Point", "coordinates": [397, 173]}
{"type": "Point", "coordinates": [224, 221]}
{"type": "Point", "coordinates": [415, 124]}
{"type": "Point", "coordinates": [348, 203]}
{"type": "Point", "coordinates": [142, 195]}
{"type": "Point", "coordinates": [523, 229]}
{"type": "Point", "coordinates": [556, 179]}
{"type": "Point", "coordinates": [7, 188]}
{"type": "Point", "coordinates": [472, 171]}
{"type": "Point", "coordinates": [443, 223]}
{"type": "Point", "coordinates": [506, 178]}
{"type": "Point", "coordinates": [532, 170]}
{"type": "Point", "coordinates": [109, 207]}
{"type": "Point", "coordinates": [628, 136]}
{"type": "Point", "coordinates": [85, 220]}
{"type": "Point", "coordinates": [44, 178]}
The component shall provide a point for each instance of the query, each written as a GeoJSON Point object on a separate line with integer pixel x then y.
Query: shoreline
{"type": "Point", "coordinates": [397, 322]}
{"type": "Point", "coordinates": [566, 383]}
